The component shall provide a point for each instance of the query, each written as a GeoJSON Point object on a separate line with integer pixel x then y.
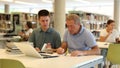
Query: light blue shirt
{"type": "Point", "coordinates": [84, 40]}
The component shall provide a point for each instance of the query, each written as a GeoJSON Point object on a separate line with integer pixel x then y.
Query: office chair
{"type": "Point", "coordinates": [113, 54]}
{"type": "Point", "coordinates": [10, 63]}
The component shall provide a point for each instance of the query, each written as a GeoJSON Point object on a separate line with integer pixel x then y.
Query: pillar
{"type": "Point", "coordinates": [6, 9]}
{"type": "Point", "coordinates": [59, 16]}
{"type": "Point", "coordinates": [117, 14]}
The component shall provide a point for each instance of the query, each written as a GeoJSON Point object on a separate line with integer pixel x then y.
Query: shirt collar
{"type": "Point", "coordinates": [49, 30]}
{"type": "Point", "coordinates": [81, 30]}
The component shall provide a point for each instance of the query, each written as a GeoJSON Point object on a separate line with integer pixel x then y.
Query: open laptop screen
{"type": "Point", "coordinates": [29, 50]}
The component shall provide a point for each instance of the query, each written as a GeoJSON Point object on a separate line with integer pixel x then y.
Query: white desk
{"type": "Point", "coordinates": [104, 48]}
{"type": "Point", "coordinates": [9, 38]}
{"type": "Point", "coordinates": [59, 62]}
{"type": "Point", "coordinates": [1, 34]}
{"type": "Point", "coordinates": [3, 40]}
{"type": "Point", "coordinates": [103, 45]}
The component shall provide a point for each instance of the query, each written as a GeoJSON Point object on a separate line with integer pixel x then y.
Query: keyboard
{"type": "Point", "coordinates": [47, 56]}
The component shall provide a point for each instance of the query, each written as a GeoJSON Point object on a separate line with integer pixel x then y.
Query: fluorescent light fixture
{"type": "Point", "coordinates": [26, 3]}
{"type": "Point", "coordinates": [47, 1]}
{"type": "Point", "coordinates": [83, 1]}
{"type": "Point", "coordinates": [7, 0]}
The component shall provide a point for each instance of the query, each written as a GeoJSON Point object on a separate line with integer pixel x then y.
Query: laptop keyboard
{"type": "Point", "coordinates": [47, 56]}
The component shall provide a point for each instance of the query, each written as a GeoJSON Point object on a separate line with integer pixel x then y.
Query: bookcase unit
{"type": "Point", "coordinates": [92, 21]}
{"type": "Point", "coordinates": [5, 22]}
{"type": "Point", "coordinates": [20, 19]}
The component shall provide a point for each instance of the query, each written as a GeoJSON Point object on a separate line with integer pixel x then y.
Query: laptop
{"type": "Point", "coordinates": [29, 50]}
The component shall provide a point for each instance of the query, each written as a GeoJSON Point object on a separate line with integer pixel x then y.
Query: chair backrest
{"type": "Point", "coordinates": [10, 63]}
{"type": "Point", "coordinates": [113, 54]}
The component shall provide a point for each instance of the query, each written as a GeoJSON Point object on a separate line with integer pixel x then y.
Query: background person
{"type": "Point", "coordinates": [109, 34]}
{"type": "Point", "coordinates": [27, 32]}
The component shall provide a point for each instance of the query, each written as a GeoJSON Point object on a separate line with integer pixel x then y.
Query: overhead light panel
{"type": "Point", "coordinates": [47, 1]}
{"type": "Point", "coordinates": [7, 0]}
{"type": "Point", "coordinates": [83, 1]}
{"type": "Point", "coordinates": [26, 3]}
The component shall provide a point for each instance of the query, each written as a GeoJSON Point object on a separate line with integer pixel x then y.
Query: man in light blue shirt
{"type": "Point", "coordinates": [77, 39]}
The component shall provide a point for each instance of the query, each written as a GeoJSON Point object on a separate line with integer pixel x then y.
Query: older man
{"type": "Point", "coordinates": [77, 39]}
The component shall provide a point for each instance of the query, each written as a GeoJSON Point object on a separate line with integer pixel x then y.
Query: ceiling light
{"type": "Point", "coordinates": [7, 0]}
{"type": "Point", "coordinates": [26, 3]}
{"type": "Point", "coordinates": [83, 1]}
{"type": "Point", "coordinates": [47, 1]}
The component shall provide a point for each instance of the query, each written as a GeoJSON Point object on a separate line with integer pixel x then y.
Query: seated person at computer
{"type": "Point", "coordinates": [45, 34]}
{"type": "Point", "coordinates": [109, 34]}
{"type": "Point", "coordinates": [77, 39]}
{"type": "Point", "coordinates": [27, 32]}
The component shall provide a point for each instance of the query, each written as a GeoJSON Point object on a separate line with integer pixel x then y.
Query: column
{"type": "Point", "coordinates": [6, 8]}
{"type": "Point", "coordinates": [117, 14]}
{"type": "Point", "coordinates": [59, 16]}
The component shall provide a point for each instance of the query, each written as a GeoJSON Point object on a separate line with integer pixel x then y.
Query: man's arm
{"type": "Point", "coordinates": [32, 38]}
{"type": "Point", "coordinates": [103, 38]}
{"type": "Point", "coordinates": [57, 41]}
{"type": "Point", "coordinates": [63, 48]}
{"type": "Point", "coordinates": [94, 51]}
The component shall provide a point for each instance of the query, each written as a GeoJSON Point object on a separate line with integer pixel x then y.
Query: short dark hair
{"type": "Point", "coordinates": [29, 24]}
{"type": "Point", "coordinates": [43, 12]}
{"type": "Point", "coordinates": [110, 21]}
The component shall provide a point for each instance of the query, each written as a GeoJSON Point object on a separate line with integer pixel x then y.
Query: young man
{"type": "Point", "coordinates": [77, 39]}
{"type": "Point", "coordinates": [45, 34]}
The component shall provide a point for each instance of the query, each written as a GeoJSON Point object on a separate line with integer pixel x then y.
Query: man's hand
{"type": "Point", "coordinates": [21, 34]}
{"type": "Point", "coordinates": [37, 49]}
{"type": "Point", "coordinates": [49, 46]}
{"type": "Point", "coordinates": [77, 53]}
{"type": "Point", "coordinates": [60, 50]}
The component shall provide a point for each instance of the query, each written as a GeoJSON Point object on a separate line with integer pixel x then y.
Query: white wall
{"type": "Point", "coordinates": [104, 9]}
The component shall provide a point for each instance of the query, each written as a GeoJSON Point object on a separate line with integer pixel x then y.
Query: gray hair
{"type": "Point", "coordinates": [74, 17]}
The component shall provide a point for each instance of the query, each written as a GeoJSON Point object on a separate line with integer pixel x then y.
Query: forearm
{"type": "Point", "coordinates": [26, 37]}
{"type": "Point", "coordinates": [107, 36]}
{"type": "Point", "coordinates": [103, 38]}
{"type": "Point", "coordinates": [54, 50]}
{"type": "Point", "coordinates": [92, 52]}
{"type": "Point", "coordinates": [64, 47]}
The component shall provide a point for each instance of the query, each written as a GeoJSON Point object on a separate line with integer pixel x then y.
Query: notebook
{"type": "Point", "coordinates": [29, 50]}
{"type": "Point", "coordinates": [43, 49]}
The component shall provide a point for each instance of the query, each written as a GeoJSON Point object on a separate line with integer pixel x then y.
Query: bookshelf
{"type": "Point", "coordinates": [20, 19]}
{"type": "Point", "coordinates": [5, 22]}
{"type": "Point", "coordinates": [51, 19]}
{"type": "Point", "coordinates": [92, 21]}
